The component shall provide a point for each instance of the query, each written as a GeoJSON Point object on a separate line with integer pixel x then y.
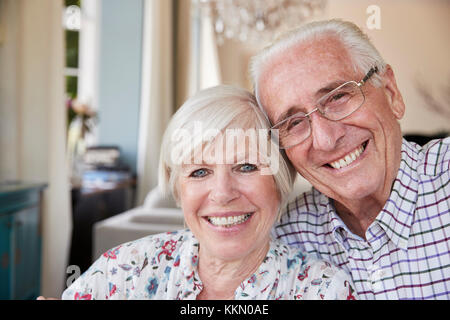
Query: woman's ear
{"type": "Point", "coordinates": [393, 94]}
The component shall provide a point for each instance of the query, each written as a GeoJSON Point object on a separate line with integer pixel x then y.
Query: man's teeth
{"type": "Point", "coordinates": [349, 158]}
{"type": "Point", "coordinates": [229, 221]}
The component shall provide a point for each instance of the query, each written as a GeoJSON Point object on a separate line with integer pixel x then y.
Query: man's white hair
{"type": "Point", "coordinates": [362, 52]}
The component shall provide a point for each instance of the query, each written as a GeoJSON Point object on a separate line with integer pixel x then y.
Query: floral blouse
{"type": "Point", "coordinates": [164, 266]}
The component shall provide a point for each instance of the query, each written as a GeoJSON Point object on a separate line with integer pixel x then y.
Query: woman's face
{"type": "Point", "coordinates": [230, 208]}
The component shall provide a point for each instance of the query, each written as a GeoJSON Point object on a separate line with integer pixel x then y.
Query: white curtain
{"type": "Point", "coordinates": [33, 51]}
{"type": "Point", "coordinates": [207, 60]}
{"type": "Point", "coordinates": [173, 70]}
{"type": "Point", "coordinates": [157, 90]}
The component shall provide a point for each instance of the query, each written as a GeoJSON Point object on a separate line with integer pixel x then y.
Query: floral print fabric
{"type": "Point", "coordinates": [164, 266]}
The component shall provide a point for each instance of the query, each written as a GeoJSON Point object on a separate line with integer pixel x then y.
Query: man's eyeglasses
{"type": "Point", "coordinates": [335, 105]}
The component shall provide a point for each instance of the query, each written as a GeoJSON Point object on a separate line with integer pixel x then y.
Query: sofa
{"type": "Point", "coordinates": [158, 214]}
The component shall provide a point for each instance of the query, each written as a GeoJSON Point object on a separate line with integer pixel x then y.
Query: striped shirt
{"type": "Point", "coordinates": [407, 251]}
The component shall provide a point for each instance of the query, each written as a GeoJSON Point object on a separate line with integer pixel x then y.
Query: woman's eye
{"type": "Point", "coordinates": [200, 173]}
{"type": "Point", "coordinates": [247, 167]}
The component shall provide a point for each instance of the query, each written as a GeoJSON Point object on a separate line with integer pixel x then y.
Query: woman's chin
{"type": "Point", "coordinates": [231, 249]}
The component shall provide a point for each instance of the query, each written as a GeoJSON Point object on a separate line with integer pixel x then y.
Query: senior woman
{"type": "Point", "coordinates": [230, 195]}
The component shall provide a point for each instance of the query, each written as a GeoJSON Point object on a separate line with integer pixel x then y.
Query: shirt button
{"type": "Point", "coordinates": [377, 275]}
{"type": "Point", "coordinates": [377, 286]}
{"type": "Point", "coordinates": [403, 243]}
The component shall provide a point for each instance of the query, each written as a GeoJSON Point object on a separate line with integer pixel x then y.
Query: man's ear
{"type": "Point", "coordinates": [393, 94]}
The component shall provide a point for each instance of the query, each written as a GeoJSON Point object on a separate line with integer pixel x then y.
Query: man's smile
{"type": "Point", "coordinates": [348, 158]}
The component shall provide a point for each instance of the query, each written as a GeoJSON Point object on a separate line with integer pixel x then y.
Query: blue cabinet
{"type": "Point", "coordinates": [20, 240]}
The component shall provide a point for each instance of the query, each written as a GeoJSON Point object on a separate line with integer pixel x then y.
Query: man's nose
{"type": "Point", "coordinates": [223, 188]}
{"type": "Point", "coordinates": [325, 133]}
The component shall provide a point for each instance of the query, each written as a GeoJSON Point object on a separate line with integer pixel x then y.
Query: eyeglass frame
{"type": "Point", "coordinates": [307, 115]}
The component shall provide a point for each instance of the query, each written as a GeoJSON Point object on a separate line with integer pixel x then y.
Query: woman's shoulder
{"type": "Point", "coordinates": [310, 277]}
{"type": "Point", "coordinates": [290, 256]}
{"type": "Point", "coordinates": [119, 272]}
{"type": "Point", "coordinates": [146, 247]}
{"type": "Point", "coordinates": [294, 256]}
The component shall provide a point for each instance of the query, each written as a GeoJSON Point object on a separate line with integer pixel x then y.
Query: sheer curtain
{"type": "Point", "coordinates": [157, 90]}
{"type": "Point", "coordinates": [179, 58]}
{"type": "Point", "coordinates": [33, 51]}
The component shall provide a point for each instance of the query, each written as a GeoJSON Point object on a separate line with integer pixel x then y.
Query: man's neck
{"type": "Point", "coordinates": [359, 216]}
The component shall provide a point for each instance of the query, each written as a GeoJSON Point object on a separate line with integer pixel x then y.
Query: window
{"type": "Point", "coordinates": [72, 23]}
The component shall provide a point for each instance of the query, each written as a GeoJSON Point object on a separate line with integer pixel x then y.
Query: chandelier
{"type": "Point", "coordinates": [257, 20]}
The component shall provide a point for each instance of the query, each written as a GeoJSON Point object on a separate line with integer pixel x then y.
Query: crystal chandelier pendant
{"type": "Point", "coordinates": [258, 20]}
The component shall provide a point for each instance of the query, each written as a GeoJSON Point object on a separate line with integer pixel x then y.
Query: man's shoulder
{"type": "Point", "coordinates": [307, 211]}
{"type": "Point", "coordinates": [309, 201]}
{"type": "Point", "coordinates": [434, 157]}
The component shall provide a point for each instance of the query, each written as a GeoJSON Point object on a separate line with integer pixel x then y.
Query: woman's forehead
{"type": "Point", "coordinates": [236, 146]}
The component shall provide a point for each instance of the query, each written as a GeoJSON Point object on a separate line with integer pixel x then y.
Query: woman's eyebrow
{"type": "Point", "coordinates": [189, 167]}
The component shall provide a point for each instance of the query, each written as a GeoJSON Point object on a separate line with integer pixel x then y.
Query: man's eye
{"type": "Point", "coordinates": [338, 96]}
{"type": "Point", "coordinates": [200, 173]}
{"type": "Point", "coordinates": [294, 122]}
{"type": "Point", "coordinates": [247, 167]}
{"type": "Point", "coordinates": [337, 99]}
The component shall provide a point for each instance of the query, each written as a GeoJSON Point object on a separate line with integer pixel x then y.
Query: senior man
{"type": "Point", "coordinates": [379, 207]}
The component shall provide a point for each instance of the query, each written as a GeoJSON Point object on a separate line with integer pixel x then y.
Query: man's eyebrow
{"type": "Point", "coordinates": [289, 112]}
{"type": "Point", "coordinates": [328, 87]}
{"type": "Point", "coordinates": [319, 93]}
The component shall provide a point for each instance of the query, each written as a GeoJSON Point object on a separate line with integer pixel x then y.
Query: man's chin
{"type": "Point", "coordinates": [345, 193]}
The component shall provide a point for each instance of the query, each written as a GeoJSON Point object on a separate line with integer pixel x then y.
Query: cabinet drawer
{"type": "Point", "coordinates": [18, 200]}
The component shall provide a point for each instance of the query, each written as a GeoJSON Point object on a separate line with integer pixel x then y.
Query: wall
{"type": "Point", "coordinates": [8, 90]}
{"type": "Point", "coordinates": [413, 38]}
{"type": "Point", "coordinates": [33, 120]}
{"type": "Point", "coordinates": [119, 76]}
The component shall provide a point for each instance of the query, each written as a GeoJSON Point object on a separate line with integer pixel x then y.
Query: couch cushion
{"type": "Point", "coordinates": [160, 216]}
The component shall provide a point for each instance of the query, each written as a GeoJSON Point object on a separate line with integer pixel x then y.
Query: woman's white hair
{"type": "Point", "coordinates": [361, 51]}
{"type": "Point", "coordinates": [215, 109]}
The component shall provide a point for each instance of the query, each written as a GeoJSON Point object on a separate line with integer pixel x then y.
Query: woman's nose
{"type": "Point", "coordinates": [325, 133]}
{"type": "Point", "coordinates": [223, 188]}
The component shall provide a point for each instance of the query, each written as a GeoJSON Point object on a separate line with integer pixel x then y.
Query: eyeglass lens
{"type": "Point", "coordinates": [335, 105]}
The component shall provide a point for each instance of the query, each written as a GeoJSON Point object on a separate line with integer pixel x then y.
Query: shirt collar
{"type": "Point", "coordinates": [339, 229]}
{"type": "Point", "coordinates": [335, 224]}
{"type": "Point", "coordinates": [397, 214]}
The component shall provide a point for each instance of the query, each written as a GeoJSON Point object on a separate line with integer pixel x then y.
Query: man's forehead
{"type": "Point", "coordinates": [296, 76]}
{"type": "Point", "coordinates": [313, 58]}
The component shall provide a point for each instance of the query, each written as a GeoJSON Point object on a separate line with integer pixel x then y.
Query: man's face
{"type": "Point", "coordinates": [371, 136]}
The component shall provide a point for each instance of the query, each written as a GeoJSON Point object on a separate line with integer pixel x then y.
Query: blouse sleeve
{"type": "Point", "coordinates": [341, 287]}
{"type": "Point", "coordinates": [123, 272]}
{"type": "Point", "coordinates": [325, 281]}
{"type": "Point", "coordinates": [91, 285]}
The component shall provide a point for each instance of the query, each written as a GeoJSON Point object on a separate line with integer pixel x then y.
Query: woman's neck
{"type": "Point", "coordinates": [221, 278]}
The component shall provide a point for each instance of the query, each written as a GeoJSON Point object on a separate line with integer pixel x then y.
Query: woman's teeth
{"type": "Point", "coordinates": [229, 221]}
{"type": "Point", "coordinates": [349, 158]}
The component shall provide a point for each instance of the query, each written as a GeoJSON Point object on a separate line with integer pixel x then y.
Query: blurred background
{"type": "Point", "coordinates": [88, 86]}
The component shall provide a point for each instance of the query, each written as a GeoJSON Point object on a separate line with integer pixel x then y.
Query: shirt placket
{"type": "Point", "coordinates": [380, 277]}
{"type": "Point", "coordinates": [360, 260]}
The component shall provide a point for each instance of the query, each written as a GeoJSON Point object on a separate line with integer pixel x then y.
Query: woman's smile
{"type": "Point", "coordinates": [229, 220]}
{"type": "Point", "coordinates": [220, 200]}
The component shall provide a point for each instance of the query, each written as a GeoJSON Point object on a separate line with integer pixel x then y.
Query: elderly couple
{"type": "Point", "coordinates": [376, 224]}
